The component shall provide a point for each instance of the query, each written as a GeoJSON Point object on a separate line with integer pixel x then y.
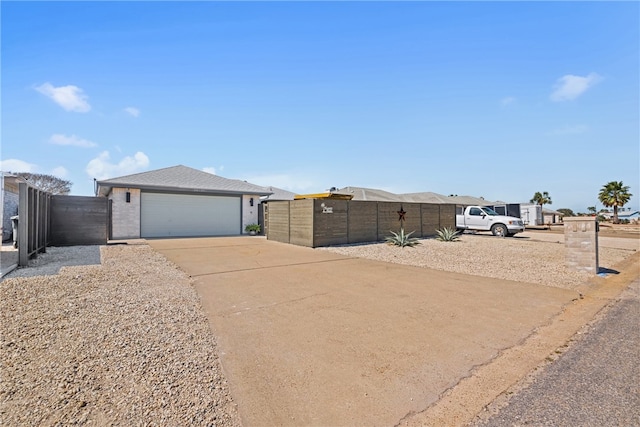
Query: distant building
{"type": "Point", "coordinates": [628, 215]}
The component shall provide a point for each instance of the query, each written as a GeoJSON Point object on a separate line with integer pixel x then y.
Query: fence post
{"type": "Point", "coordinates": [23, 224]}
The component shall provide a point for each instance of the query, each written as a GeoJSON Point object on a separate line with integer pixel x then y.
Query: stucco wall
{"type": "Point", "coordinates": [249, 213]}
{"type": "Point", "coordinates": [125, 217]}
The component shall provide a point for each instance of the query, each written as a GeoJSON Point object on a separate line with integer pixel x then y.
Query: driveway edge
{"type": "Point", "coordinates": [460, 404]}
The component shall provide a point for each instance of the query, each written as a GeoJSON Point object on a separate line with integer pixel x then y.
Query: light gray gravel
{"type": "Point", "coordinates": [518, 259]}
{"type": "Point", "coordinates": [50, 262]}
{"type": "Point", "coordinates": [124, 343]}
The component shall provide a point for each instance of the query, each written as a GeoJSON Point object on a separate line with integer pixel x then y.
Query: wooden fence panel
{"type": "Point", "coordinates": [79, 220]}
{"type": "Point", "coordinates": [330, 222]}
{"type": "Point", "coordinates": [448, 216]}
{"type": "Point", "coordinates": [412, 219]}
{"type": "Point", "coordinates": [301, 222]}
{"type": "Point", "coordinates": [276, 218]}
{"type": "Point", "coordinates": [33, 222]}
{"type": "Point", "coordinates": [430, 219]}
{"type": "Point", "coordinates": [309, 223]}
{"type": "Point", "coordinates": [389, 218]}
{"type": "Point", "coordinates": [362, 221]}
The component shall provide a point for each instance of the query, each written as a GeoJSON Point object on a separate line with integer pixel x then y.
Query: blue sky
{"type": "Point", "coordinates": [492, 99]}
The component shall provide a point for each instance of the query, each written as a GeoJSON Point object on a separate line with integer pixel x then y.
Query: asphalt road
{"type": "Point", "coordinates": [595, 382]}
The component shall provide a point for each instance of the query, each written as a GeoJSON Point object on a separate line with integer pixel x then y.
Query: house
{"type": "Point", "coordinates": [9, 199]}
{"type": "Point", "coordinates": [361, 193]}
{"type": "Point", "coordinates": [623, 215]}
{"type": "Point", "coordinates": [179, 201]}
{"type": "Point", "coordinates": [551, 217]}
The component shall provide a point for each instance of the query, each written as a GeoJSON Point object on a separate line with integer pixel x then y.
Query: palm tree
{"type": "Point", "coordinates": [541, 198]}
{"type": "Point", "coordinates": [614, 194]}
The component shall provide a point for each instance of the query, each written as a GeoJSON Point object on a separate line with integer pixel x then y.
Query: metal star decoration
{"type": "Point", "coordinates": [401, 213]}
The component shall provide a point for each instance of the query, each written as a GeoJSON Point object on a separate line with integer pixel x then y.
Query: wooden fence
{"type": "Point", "coordinates": [33, 222]}
{"type": "Point", "coordinates": [57, 220]}
{"type": "Point", "coordinates": [325, 222]}
{"type": "Point", "coordinates": [79, 220]}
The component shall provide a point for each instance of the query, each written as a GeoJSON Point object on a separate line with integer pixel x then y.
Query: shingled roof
{"type": "Point", "coordinates": [181, 178]}
{"type": "Point", "coordinates": [360, 193]}
{"type": "Point", "coordinates": [278, 194]}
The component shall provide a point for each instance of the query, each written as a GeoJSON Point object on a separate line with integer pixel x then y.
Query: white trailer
{"type": "Point", "coordinates": [531, 214]}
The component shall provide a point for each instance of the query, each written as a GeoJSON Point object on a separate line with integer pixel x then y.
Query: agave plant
{"type": "Point", "coordinates": [402, 239]}
{"type": "Point", "coordinates": [447, 234]}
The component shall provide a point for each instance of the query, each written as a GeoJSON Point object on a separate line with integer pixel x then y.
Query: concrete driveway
{"type": "Point", "coordinates": [314, 338]}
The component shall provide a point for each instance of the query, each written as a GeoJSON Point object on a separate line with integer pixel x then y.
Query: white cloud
{"type": "Point", "coordinates": [570, 87]}
{"type": "Point", "coordinates": [15, 165]}
{"type": "Point", "coordinates": [60, 139]}
{"type": "Point", "coordinates": [132, 111]}
{"type": "Point", "coordinates": [71, 98]}
{"type": "Point", "coordinates": [507, 101]}
{"type": "Point", "coordinates": [60, 172]}
{"type": "Point", "coordinates": [102, 168]}
{"type": "Point", "coordinates": [570, 130]}
{"type": "Point", "coordinates": [210, 170]}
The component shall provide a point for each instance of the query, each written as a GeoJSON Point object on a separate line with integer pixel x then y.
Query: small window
{"type": "Point", "coordinates": [475, 212]}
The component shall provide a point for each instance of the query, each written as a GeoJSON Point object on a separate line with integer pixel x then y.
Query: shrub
{"type": "Point", "coordinates": [401, 239]}
{"type": "Point", "coordinates": [448, 234]}
{"type": "Point", "coordinates": [252, 227]}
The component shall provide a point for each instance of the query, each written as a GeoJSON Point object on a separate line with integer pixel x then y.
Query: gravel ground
{"type": "Point", "coordinates": [54, 258]}
{"type": "Point", "coordinates": [124, 343]}
{"type": "Point", "coordinates": [511, 258]}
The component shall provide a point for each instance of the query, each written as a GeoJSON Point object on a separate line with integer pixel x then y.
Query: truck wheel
{"type": "Point", "coordinates": [499, 230]}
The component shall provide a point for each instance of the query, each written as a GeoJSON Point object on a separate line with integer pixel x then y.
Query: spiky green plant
{"type": "Point", "coordinates": [402, 239]}
{"type": "Point", "coordinates": [447, 234]}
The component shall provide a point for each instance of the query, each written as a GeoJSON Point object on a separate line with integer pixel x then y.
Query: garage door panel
{"type": "Point", "coordinates": [182, 215]}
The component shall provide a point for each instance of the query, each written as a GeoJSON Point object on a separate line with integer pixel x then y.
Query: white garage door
{"type": "Point", "coordinates": [182, 215]}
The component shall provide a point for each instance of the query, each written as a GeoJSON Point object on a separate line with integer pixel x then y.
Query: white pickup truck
{"type": "Point", "coordinates": [482, 218]}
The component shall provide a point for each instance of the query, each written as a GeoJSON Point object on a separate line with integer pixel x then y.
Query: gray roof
{"type": "Point", "coordinates": [182, 178]}
{"type": "Point", "coordinates": [550, 212]}
{"type": "Point", "coordinates": [278, 194]}
{"type": "Point", "coordinates": [471, 200]}
{"type": "Point", "coordinates": [360, 193]}
{"type": "Point", "coordinates": [426, 197]}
